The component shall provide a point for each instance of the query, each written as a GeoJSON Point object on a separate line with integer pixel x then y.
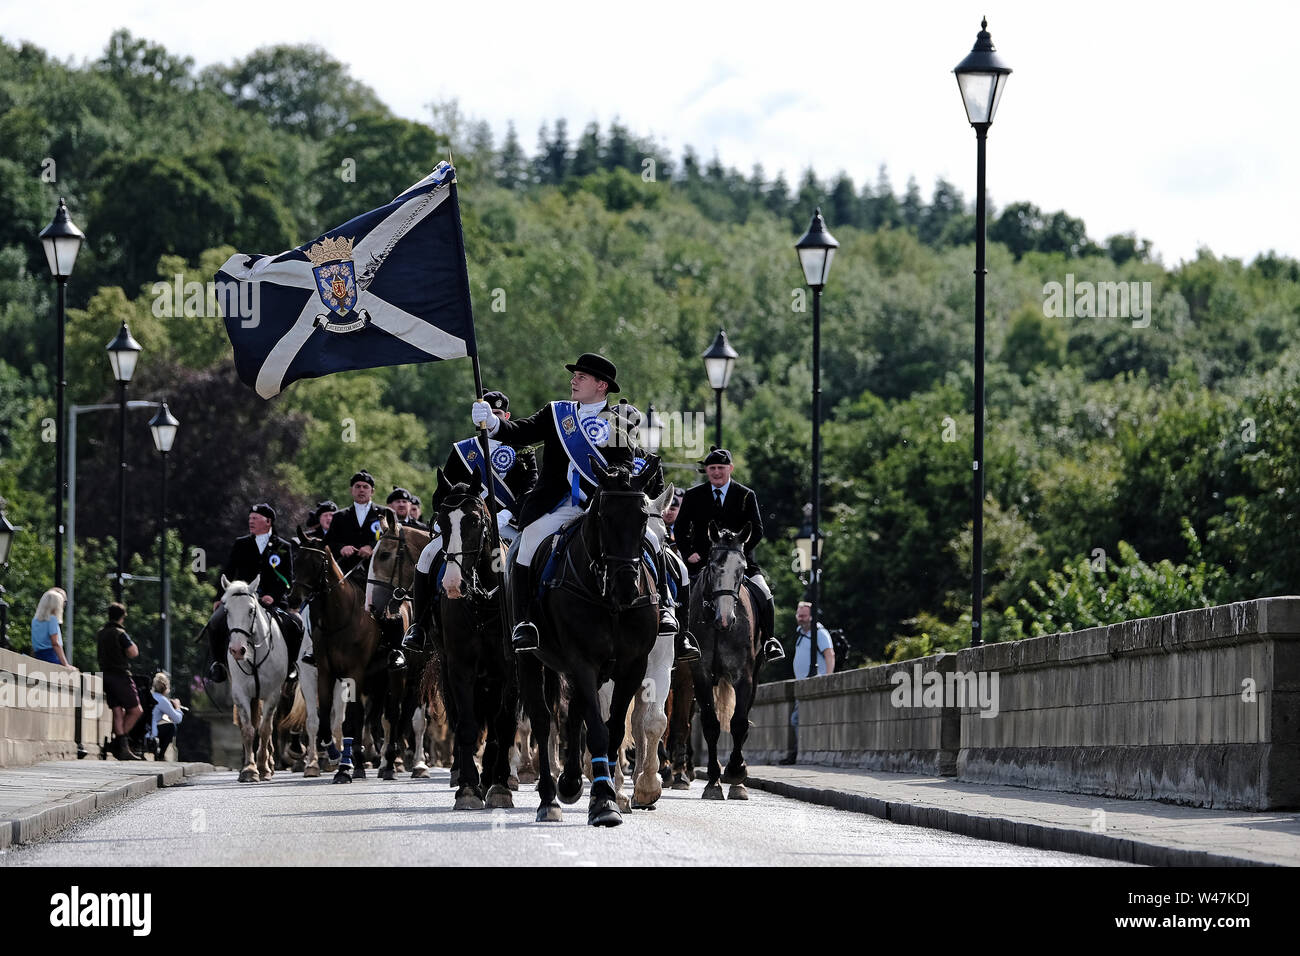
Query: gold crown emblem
{"type": "Point", "coordinates": [330, 250]}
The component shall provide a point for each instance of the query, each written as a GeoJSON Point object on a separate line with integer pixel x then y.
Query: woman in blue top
{"type": "Point", "coordinates": [47, 639]}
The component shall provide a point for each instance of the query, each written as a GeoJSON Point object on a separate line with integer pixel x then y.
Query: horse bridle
{"type": "Point", "coordinates": [470, 574]}
{"type": "Point", "coordinates": [724, 592]}
{"type": "Point", "coordinates": [603, 567]}
{"type": "Point", "coordinates": [322, 586]}
{"type": "Point", "coordinates": [398, 595]}
{"type": "Point", "coordinates": [254, 664]}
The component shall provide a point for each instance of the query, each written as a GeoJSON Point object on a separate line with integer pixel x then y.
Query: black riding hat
{"type": "Point", "coordinates": [597, 365]}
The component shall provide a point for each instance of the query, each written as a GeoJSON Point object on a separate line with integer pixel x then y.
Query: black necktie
{"type": "Point", "coordinates": [717, 497]}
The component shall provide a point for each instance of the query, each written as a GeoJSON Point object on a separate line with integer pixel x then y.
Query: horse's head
{"type": "Point", "coordinates": [392, 569]}
{"type": "Point", "coordinates": [311, 568]}
{"type": "Point", "coordinates": [620, 512]}
{"type": "Point", "coordinates": [463, 523]}
{"type": "Point", "coordinates": [240, 601]}
{"type": "Point", "coordinates": [725, 573]}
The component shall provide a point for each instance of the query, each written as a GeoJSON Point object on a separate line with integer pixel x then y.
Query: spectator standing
{"type": "Point", "coordinates": [804, 664]}
{"type": "Point", "coordinates": [47, 636]}
{"type": "Point", "coordinates": [115, 649]}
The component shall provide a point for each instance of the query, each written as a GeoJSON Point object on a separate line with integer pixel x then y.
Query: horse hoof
{"type": "Point", "coordinates": [681, 782]}
{"type": "Point", "coordinates": [342, 777]}
{"type": "Point", "coordinates": [738, 791]}
{"type": "Point", "coordinates": [248, 776]}
{"type": "Point", "coordinates": [299, 766]}
{"type": "Point", "coordinates": [419, 773]}
{"type": "Point", "coordinates": [735, 774]}
{"type": "Point", "coordinates": [311, 772]}
{"type": "Point", "coordinates": [267, 774]}
{"type": "Point", "coordinates": [713, 792]}
{"type": "Point", "coordinates": [358, 772]}
{"type": "Point", "coordinates": [638, 805]}
{"type": "Point", "coordinates": [568, 792]}
{"type": "Point", "coordinates": [525, 776]}
{"type": "Point", "coordinates": [498, 797]}
{"type": "Point", "coordinates": [666, 777]}
{"type": "Point", "coordinates": [455, 779]}
{"type": "Point", "coordinates": [624, 803]}
{"type": "Point", "coordinates": [387, 773]}
{"type": "Point", "coordinates": [604, 813]}
{"type": "Point", "coordinates": [513, 783]}
{"type": "Point", "coordinates": [469, 801]}
{"type": "Point", "coordinates": [549, 813]}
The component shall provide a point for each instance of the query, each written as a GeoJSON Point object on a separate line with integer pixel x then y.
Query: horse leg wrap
{"type": "Point", "coordinates": [600, 772]}
{"type": "Point", "coordinates": [345, 759]}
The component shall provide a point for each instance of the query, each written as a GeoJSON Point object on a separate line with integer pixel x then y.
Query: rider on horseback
{"type": "Point", "coordinates": [730, 505]}
{"type": "Point", "coordinates": [258, 553]}
{"type": "Point", "coordinates": [570, 432]}
{"type": "Point", "coordinates": [513, 476]}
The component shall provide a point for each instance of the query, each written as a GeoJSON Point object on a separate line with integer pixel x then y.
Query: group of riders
{"type": "Point", "coordinates": [532, 505]}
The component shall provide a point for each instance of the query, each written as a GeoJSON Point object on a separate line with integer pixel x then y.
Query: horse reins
{"type": "Point", "coordinates": [254, 664]}
{"type": "Point", "coordinates": [470, 574]}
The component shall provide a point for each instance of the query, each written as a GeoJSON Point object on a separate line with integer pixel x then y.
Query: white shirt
{"type": "Point", "coordinates": [163, 706]}
{"type": "Point", "coordinates": [262, 540]}
{"type": "Point", "coordinates": [361, 514]}
{"type": "Point", "coordinates": [801, 645]}
{"type": "Point", "coordinates": [714, 489]}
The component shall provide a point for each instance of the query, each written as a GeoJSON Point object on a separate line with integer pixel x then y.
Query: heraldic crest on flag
{"type": "Point", "coordinates": [309, 312]}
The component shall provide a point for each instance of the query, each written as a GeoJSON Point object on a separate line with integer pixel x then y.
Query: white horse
{"type": "Point", "coordinates": [258, 662]}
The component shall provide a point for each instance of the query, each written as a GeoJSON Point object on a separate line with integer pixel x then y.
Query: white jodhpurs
{"type": "Point", "coordinates": [762, 585]}
{"type": "Point", "coordinates": [427, 556]}
{"type": "Point", "coordinates": [530, 538]}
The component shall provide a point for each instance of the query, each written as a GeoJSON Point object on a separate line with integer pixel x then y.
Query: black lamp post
{"type": "Point", "coordinates": [62, 241]}
{"type": "Point", "coordinates": [981, 77]}
{"type": "Point", "coordinates": [816, 250]}
{"type": "Point", "coordinates": [719, 359]}
{"type": "Point", "coordinates": [122, 353]}
{"type": "Point", "coordinates": [163, 426]}
{"type": "Point", "coordinates": [6, 539]}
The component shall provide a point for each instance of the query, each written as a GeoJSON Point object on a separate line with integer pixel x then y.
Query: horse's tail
{"type": "Point", "coordinates": [296, 719]}
{"type": "Point", "coordinates": [432, 691]}
{"type": "Point", "coordinates": [724, 702]}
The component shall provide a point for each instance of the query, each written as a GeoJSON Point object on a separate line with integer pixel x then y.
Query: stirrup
{"type": "Point", "coordinates": [773, 651]}
{"type": "Point", "coordinates": [685, 650]}
{"type": "Point", "coordinates": [525, 638]}
{"type": "Point", "coordinates": [413, 639]}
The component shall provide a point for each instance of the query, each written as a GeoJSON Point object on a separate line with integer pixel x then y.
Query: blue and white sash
{"type": "Point", "coordinates": [503, 458]}
{"type": "Point", "coordinates": [581, 439]}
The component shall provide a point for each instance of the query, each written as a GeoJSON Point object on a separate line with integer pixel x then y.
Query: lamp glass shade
{"type": "Point", "coordinates": [719, 360]}
{"type": "Point", "coordinates": [62, 241]}
{"type": "Point", "coordinates": [981, 93]}
{"type": "Point", "coordinates": [816, 250]}
{"type": "Point", "coordinates": [163, 426]}
{"type": "Point", "coordinates": [122, 353]}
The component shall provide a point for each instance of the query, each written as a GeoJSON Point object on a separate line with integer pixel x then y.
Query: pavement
{"type": "Point", "coordinates": [40, 800]}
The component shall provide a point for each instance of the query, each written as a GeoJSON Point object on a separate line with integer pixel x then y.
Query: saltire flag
{"type": "Point", "coordinates": [389, 287]}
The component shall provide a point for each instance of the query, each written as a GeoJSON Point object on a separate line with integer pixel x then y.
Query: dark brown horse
{"type": "Point", "coordinates": [344, 640]}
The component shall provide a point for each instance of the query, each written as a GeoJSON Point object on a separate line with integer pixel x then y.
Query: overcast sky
{"type": "Point", "coordinates": [1177, 121]}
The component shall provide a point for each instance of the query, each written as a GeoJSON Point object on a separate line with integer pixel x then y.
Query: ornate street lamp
{"type": "Point", "coordinates": [719, 359]}
{"type": "Point", "coordinates": [163, 426]}
{"type": "Point", "coordinates": [816, 250]}
{"type": "Point", "coordinates": [62, 241]}
{"type": "Point", "coordinates": [981, 78]}
{"type": "Point", "coordinates": [123, 352]}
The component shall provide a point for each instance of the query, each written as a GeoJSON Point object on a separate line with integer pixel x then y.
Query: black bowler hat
{"type": "Point", "coordinates": [498, 400]}
{"type": "Point", "coordinates": [362, 475]}
{"type": "Point", "coordinates": [263, 509]}
{"type": "Point", "coordinates": [399, 494]}
{"type": "Point", "coordinates": [718, 456]}
{"type": "Point", "coordinates": [596, 365]}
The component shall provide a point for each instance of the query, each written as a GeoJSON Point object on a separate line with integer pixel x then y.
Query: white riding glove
{"type": "Point", "coordinates": [481, 412]}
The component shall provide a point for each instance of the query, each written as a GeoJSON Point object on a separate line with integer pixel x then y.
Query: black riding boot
{"type": "Point", "coordinates": [422, 603]}
{"type": "Point", "coordinates": [684, 646]}
{"type": "Point", "coordinates": [218, 641]}
{"type": "Point", "coordinates": [291, 628]}
{"type": "Point", "coordinates": [524, 640]}
{"type": "Point", "coordinates": [393, 638]}
{"type": "Point", "coordinates": [772, 649]}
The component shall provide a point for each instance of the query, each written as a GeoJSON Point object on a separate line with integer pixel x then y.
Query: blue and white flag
{"type": "Point", "coordinates": [389, 287]}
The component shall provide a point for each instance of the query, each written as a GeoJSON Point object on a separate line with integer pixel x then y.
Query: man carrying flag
{"type": "Point", "coordinates": [386, 288]}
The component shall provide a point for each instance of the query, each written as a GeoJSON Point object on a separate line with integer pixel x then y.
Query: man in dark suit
{"type": "Point", "coordinates": [399, 502]}
{"type": "Point", "coordinates": [263, 556]}
{"type": "Point", "coordinates": [569, 431]}
{"type": "Point", "coordinates": [515, 474]}
{"type": "Point", "coordinates": [731, 506]}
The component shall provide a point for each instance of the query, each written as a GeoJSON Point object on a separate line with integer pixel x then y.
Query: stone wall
{"type": "Point", "coordinates": [39, 707]}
